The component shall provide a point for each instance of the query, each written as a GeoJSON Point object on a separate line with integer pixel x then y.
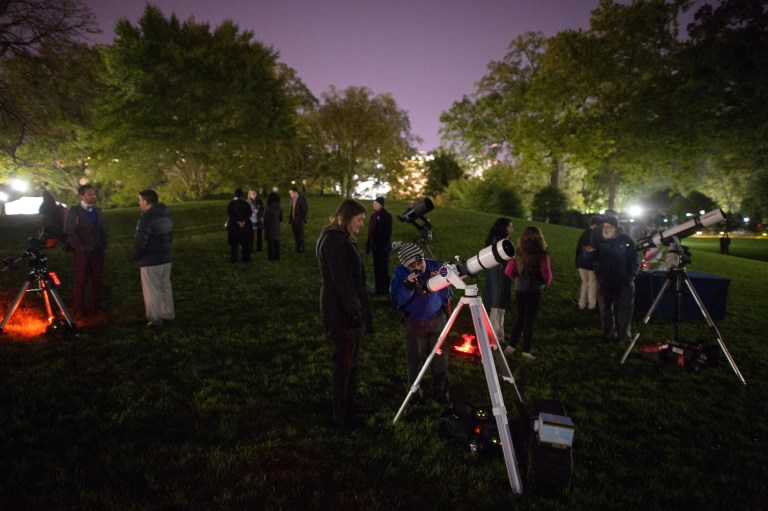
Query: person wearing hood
{"type": "Point", "coordinates": [152, 251]}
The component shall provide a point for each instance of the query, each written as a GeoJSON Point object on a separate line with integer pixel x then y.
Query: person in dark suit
{"type": "Point", "coordinates": [379, 244]}
{"type": "Point", "coordinates": [257, 217]}
{"type": "Point", "coordinates": [298, 218]}
{"type": "Point", "coordinates": [239, 227]}
{"type": "Point", "coordinates": [86, 234]}
{"type": "Point", "coordinates": [343, 303]}
{"type": "Point", "coordinates": [725, 244]}
{"type": "Point", "coordinates": [273, 216]}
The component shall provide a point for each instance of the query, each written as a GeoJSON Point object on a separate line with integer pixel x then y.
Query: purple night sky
{"type": "Point", "coordinates": [426, 53]}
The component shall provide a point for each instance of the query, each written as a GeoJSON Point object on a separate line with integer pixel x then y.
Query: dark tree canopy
{"type": "Point", "coordinates": [365, 135]}
{"type": "Point", "coordinates": [209, 108]}
{"type": "Point", "coordinates": [629, 103]}
{"type": "Point", "coordinates": [37, 46]}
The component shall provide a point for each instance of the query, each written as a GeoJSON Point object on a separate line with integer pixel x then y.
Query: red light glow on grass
{"type": "Point", "coordinates": [25, 324]}
{"type": "Point", "coordinates": [468, 347]}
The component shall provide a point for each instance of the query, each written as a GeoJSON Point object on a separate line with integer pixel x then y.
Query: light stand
{"type": "Point", "coordinates": [678, 276]}
{"type": "Point", "coordinates": [45, 283]}
{"type": "Point", "coordinates": [482, 327]}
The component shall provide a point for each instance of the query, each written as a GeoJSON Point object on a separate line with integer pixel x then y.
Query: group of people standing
{"type": "Point", "coordinates": [605, 257]}
{"type": "Point", "coordinates": [345, 306]}
{"type": "Point", "coordinates": [83, 230]}
{"type": "Point", "coordinates": [249, 220]}
{"type": "Point", "coordinates": [530, 273]}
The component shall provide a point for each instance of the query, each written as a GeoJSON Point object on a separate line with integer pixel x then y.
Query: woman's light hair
{"type": "Point", "coordinates": [344, 214]}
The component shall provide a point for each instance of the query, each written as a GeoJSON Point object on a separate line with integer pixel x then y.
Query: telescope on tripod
{"type": "Point", "coordinates": [678, 280]}
{"type": "Point", "coordinates": [414, 215]}
{"type": "Point", "coordinates": [43, 282]}
{"type": "Point", "coordinates": [453, 274]}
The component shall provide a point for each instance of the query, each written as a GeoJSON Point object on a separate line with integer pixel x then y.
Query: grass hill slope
{"type": "Point", "coordinates": [228, 407]}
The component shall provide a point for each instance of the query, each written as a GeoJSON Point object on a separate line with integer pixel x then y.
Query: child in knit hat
{"type": "Point", "coordinates": [425, 314]}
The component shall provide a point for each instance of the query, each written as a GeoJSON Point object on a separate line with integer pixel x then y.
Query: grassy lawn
{"type": "Point", "coordinates": [746, 246]}
{"type": "Point", "coordinates": [229, 406]}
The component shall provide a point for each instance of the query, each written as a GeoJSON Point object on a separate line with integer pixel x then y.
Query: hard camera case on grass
{"type": "Point", "coordinates": [550, 467]}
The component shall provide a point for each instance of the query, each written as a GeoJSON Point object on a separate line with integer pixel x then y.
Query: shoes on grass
{"type": "Point", "coordinates": [509, 350]}
{"type": "Point", "coordinates": [528, 356]}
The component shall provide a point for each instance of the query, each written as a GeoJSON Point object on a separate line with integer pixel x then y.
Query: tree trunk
{"type": "Point", "coordinates": [612, 190]}
{"type": "Point", "coordinates": [556, 176]}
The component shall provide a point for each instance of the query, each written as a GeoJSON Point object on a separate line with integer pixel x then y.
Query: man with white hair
{"type": "Point", "coordinates": [616, 264]}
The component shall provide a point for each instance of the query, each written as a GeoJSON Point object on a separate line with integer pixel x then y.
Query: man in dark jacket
{"type": "Point", "coordinates": [378, 244]}
{"type": "Point", "coordinates": [298, 217]}
{"type": "Point", "coordinates": [239, 227]}
{"type": "Point", "coordinates": [84, 227]}
{"type": "Point", "coordinates": [616, 264]}
{"type": "Point", "coordinates": [152, 250]}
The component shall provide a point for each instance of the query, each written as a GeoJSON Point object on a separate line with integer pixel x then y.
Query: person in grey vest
{"type": "Point", "coordinates": [87, 235]}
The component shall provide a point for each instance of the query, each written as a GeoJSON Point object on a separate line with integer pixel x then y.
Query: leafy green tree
{"type": "Point", "coordinates": [208, 108]}
{"type": "Point", "coordinates": [442, 169]}
{"type": "Point", "coordinates": [549, 205]}
{"type": "Point", "coordinates": [720, 100]}
{"type": "Point", "coordinates": [587, 100]}
{"type": "Point", "coordinates": [755, 204]}
{"type": "Point", "coordinates": [498, 120]}
{"type": "Point", "coordinates": [365, 136]}
{"type": "Point", "coordinates": [618, 72]}
{"type": "Point", "coordinates": [492, 193]}
{"type": "Point", "coordinates": [59, 153]}
{"type": "Point", "coordinates": [38, 41]}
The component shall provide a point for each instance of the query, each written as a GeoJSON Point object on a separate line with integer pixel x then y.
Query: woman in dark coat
{"type": "Point", "coordinates": [497, 294]}
{"type": "Point", "coordinates": [343, 303]}
{"type": "Point", "coordinates": [273, 215]}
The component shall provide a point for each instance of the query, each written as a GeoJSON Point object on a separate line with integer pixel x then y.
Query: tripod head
{"type": "Point", "coordinates": [34, 253]}
{"type": "Point", "coordinates": [414, 215]}
{"type": "Point", "coordinates": [677, 256]}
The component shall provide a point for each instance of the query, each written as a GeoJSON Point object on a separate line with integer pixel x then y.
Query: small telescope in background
{"type": "Point", "coordinates": [417, 210]}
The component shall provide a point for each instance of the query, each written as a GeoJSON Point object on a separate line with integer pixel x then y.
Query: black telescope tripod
{"type": "Point", "coordinates": [40, 280]}
{"type": "Point", "coordinates": [678, 278]}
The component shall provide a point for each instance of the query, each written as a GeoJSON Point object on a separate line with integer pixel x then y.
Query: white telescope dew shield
{"type": "Point", "coordinates": [681, 231]}
{"type": "Point", "coordinates": [489, 257]}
